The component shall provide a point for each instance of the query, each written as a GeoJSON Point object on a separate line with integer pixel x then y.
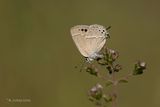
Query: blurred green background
{"type": "Point", "coordinates": [37, 53]}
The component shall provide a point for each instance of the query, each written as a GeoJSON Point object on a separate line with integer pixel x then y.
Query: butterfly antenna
{"type": "Point", "coordinates": [108, 27]}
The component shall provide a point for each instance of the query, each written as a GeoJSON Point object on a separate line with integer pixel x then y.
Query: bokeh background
{"type": "Point", "coordinates": [38, 56]}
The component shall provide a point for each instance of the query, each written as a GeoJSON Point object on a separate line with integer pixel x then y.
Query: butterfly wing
{"type": "Point", "coordinates": [89, 39]}
{"type": "Point", "coordinates": [95, 38]}
{"type": "Point", "coordinates": [78, 34]}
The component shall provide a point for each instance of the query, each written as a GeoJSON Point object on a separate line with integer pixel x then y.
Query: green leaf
{"type": "Point", "coordinates": [98, 96]}
{"type": "Point", "coordinates": [102, 62]}
{"type": "Point", "coordinates": [107, 98]}
{"type": "Point", "coordinates": [122, 81]}
{"type": "Point", "coordinates": [92, 71]}
{"type": "Point", "coordinates": [138, 72]}
{"type": "Point", "coordinates": [91, 99]}
{"type": "Point", "coordinates": [108, 83]}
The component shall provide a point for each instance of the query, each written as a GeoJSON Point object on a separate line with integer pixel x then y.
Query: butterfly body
{"type": "Point", "coordinates": [89, 39]}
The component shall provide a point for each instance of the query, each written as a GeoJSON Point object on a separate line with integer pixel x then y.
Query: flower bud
{"type": "Point", "coordinates": [113, 54]}
{"type": "Point", "coordinates": [96, 92]}
{"type": "Point", "coordinates": [110, 55]}
{"type": "Point", "coordinates": [117, 68]}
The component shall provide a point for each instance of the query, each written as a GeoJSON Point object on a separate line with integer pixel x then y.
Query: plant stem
{"type": "Point", "coordinates": [114, 87]}
{"type": "Point", "coordinates": [114, 91]}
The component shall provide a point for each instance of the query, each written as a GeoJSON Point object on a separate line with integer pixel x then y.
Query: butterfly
{"type": "Point", "coordinates": [89, 39]}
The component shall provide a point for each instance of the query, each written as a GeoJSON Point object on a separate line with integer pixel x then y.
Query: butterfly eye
{"type": "Point", "coordinates": [103, 31]}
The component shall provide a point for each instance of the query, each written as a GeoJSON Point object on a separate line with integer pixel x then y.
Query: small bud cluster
{"type": "Point", "coordinates": [96, 93]}
{"type": "Point", "coordinates": [139, 68]}
{"type": "Point", "coordinates": [97, 96]}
